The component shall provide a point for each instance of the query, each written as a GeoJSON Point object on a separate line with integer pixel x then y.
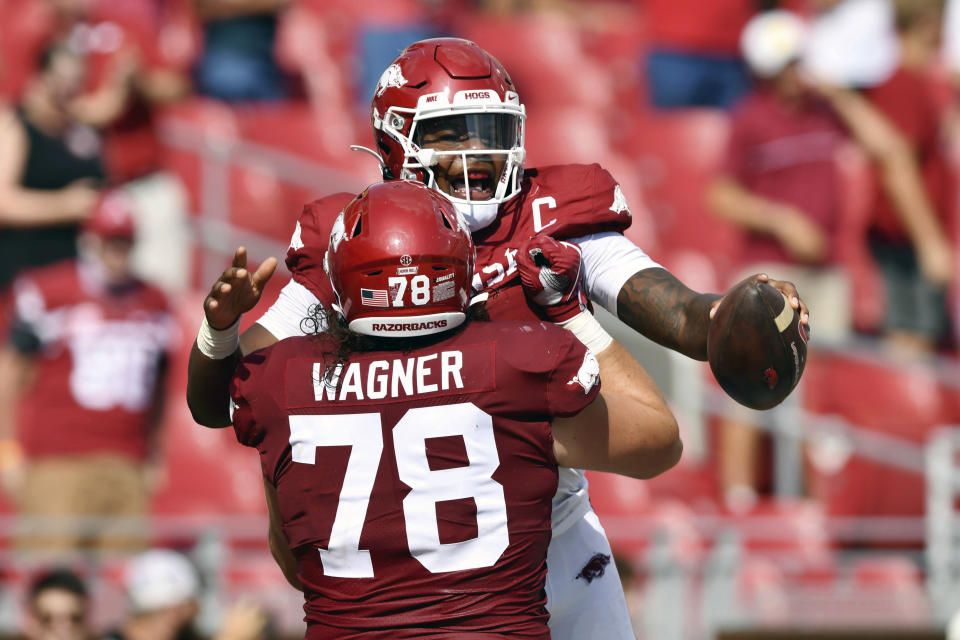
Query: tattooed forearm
{"type": "Point", "coordinates": [668, 312]}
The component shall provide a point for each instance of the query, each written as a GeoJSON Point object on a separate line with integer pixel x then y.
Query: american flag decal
{"type": "Point", "coordinates": [374, 298]}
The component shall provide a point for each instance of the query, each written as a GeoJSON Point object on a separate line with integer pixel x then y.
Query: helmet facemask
{"type": "Point", "coordinates": [471, 150]}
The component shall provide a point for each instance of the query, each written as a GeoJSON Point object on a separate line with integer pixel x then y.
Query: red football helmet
{"type": "Point", "coordinates": [400, 261]}
{"type": "Point", "coordinates": [452, 85]}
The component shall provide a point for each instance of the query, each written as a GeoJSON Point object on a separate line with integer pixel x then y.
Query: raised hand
{"type": "Point", "coordinates": [550, 273]}
{"type": "Point", "coordinates": [786, 288]}
{"type": "Point", "coordinates": [237, 290]}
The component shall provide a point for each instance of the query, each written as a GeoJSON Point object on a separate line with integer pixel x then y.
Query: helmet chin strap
{"type": "Point", "coordinates": [478, 215]}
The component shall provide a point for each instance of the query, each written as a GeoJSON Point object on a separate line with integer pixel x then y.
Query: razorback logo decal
{"type": "Point", "coordinates": [595, 567]}
{"type": "Point", "coordinates": [392, 77]}
{"type": "Point", "coordinates": [770, 377]}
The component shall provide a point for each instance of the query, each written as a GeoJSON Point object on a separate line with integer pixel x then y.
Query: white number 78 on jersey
{"type": "Point", "coordinates": [363, 432]}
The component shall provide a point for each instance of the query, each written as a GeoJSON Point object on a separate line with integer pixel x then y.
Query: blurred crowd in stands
{"type": "Point", "coordinates": [823, 150]}
{"type": "Point", "coordinates": [162, 590]}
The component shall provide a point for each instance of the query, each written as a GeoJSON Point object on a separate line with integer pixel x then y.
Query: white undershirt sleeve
{"type": "Point", "coordinates": [285, 317]}
{"type": "Point", "coordinates": [609, 260]}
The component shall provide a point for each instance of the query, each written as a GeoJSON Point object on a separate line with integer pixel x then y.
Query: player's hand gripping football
{"type": "Point", "coordinates": [237, 290]}
{"type": "Point", "coordinates": [550, 273]}
{"type": "Point", "coordinates": [786, 288]}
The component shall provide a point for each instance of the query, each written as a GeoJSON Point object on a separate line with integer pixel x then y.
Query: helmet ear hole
{"type": "Point", "coordinates": [358, 228]}
{"type": "Point", "coordinates": [446, 222]}
{"type": "Point", "coordinates": [385, 170]}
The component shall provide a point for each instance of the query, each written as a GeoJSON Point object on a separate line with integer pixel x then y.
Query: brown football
{"type": "Point", "coordinates": [756, 346]}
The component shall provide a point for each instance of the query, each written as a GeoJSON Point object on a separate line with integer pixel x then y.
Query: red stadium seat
{"type": "Point", "coordinates": [797, 528]}
{"type": "Point", "coordinates": [618, 495]}
{"type": "Point", "coordinates": [904, 403]}
{"type": "Point", "coordinates": [694, 484]}
{"type": "Point", "coordinates": [187, 129]}
{"type": "Point", "coordinates": [888, 572]}
{"type": "Point", "coordinates": [895, 583]}
{"type": "Point", "coordinates": [551, 68]}
{"type": "Point", "coordinates": [762, 588]}
{"type": "Point", "coordinates": [677, 155]}
{"type": "Point", "coordinates": [633, 521]}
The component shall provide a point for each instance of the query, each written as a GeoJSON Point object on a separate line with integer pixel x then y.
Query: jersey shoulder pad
{"type": "Point", "coordinates": [308, 245]}
{"type": "Point", "coordinates": [526, 346]}
{"type": "Point", "coordinates": [257, 388]}
{"type": "Point", "coordinates": [541, 368]}
{"type": "Point", "coordinates": [572, 200]}
{"type": "Point", "coordinates": [317, 218]}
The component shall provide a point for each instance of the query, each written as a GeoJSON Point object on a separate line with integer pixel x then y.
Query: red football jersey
{"type": "Point", "coordinates": [309, 244]}
{"type": "Point", "coordinates": [563, 201]}
{"type": "Point", "coordinates": [97, 361]}
{"type": "Point", "coordinates": [415, 486]}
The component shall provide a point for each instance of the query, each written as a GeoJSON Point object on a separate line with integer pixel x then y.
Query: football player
{"type": "Point", "coordinates": [447, 114]}
{"type": "Point", "coordinates": [82, 391]}
{"type": "Point", "coordinates": [409, 455]}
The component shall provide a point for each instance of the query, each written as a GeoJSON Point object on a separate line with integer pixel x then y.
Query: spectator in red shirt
{"type": "Point", "coordinates": [780, 186]}
{"type": "Point", "coordinates": [916, 312]}
{"type": "Point", "coordinates": [81, 391]}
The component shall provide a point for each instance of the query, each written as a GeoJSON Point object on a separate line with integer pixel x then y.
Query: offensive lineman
{"type": "Point", "coordinates": [410, 456]}
{"type": "Point", "coordinates": [447, 114]}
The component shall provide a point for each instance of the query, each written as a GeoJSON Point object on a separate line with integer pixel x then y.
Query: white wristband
{"type": "Point", "coordinates": [588, 331]}
{"type": "Point", "coordinates": [218, 344]}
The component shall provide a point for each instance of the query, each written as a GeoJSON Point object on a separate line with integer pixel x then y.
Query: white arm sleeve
{"type": "Point", "coordinates": [285, 318]}
{"type": "Point", "coordinates": [609, 259]}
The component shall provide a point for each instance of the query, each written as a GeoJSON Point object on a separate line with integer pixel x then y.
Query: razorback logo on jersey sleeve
{"type": "Point", "coordinates": [576, 381]}
{"type": "Point", "coordinates": [296, 240]}
{"type": "Point", "coordinates": [308, 245]}
{"type": "Point", "coordinates": [588, 374]}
